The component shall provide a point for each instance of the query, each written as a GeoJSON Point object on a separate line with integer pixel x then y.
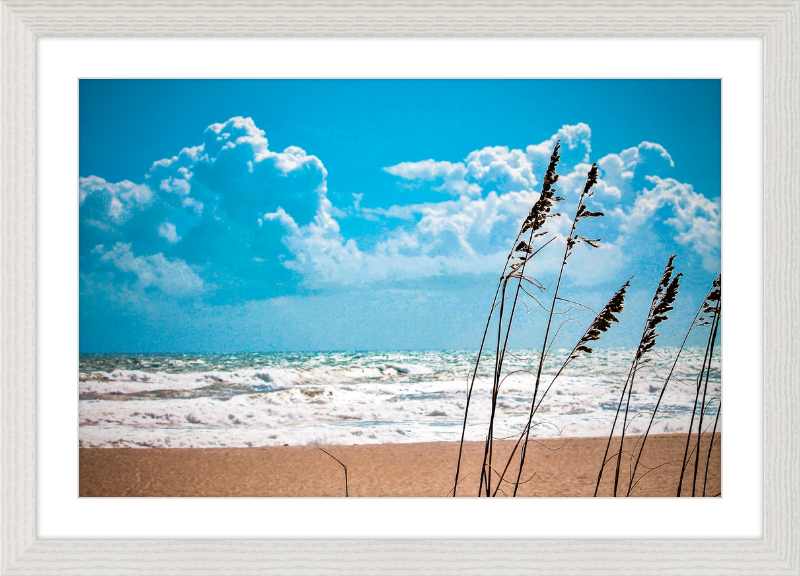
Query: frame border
{"type": "Point", "coordinates": [776, 21]}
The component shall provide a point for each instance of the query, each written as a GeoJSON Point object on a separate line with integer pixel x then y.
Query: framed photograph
{"type": "Point", "coordinates": [257, 368]}
{"type": "Point", "coordinates": [402, 269]}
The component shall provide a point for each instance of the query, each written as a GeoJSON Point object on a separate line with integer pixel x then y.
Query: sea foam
{"type": "Point", "coordinates": [361, 398]}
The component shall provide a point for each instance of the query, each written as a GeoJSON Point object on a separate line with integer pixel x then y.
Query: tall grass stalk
{"type": "Point", "coordinates": [346, 489]}
{"type": "Point", "coordinates": [521, 251]}
{"type": "Point", "coordinates": [477, 364]}
{"type": "Point", "coordinates": [601, 323]}
{"type": "Point", "coordinates": [712, 309]}
{"type": "Point", "coordinates": [572, 240]}
{"type": "Point", "coordinates": [525, 252]}
{"type": "Point", "coordinates": [711, 446]}
{"type": "Point", "coordinates": [686, 454]}
{"type": "Point", "coordinates": [698, 320]}
{"type": "Point", "coordinates": [703, 405]}
{"type": "Point", "coordinates": [664, 297]}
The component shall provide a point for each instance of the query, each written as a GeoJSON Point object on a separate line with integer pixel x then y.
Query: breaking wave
{"type": "Point", "coordinates": [359, 397]}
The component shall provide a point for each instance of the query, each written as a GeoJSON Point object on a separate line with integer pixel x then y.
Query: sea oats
{"type": "Point", "coordinates": [521, 254]}
{"type": "Point", "coordinates": [573, 239]}
{"type": "Point", "coordinates": [701, 318]}
{"type": "Point", "coordinates": [664, 298]}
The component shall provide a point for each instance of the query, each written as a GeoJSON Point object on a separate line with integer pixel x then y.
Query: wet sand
{"type": "Point", "coordinates": [556, 467]}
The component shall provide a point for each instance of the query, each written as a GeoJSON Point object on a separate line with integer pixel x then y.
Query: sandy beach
{"type": "Point", "coordinates": [553, 468]}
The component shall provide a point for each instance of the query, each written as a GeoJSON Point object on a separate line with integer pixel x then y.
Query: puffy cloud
{"type": "Point", "coordinates": [618, 170]}
{"type": "Point", "coordinates": [234, 175]}
{"type": "Point", "coordinates": [112, 202]}
{"type": "Point", "coordinates": [493, 189]}
{"type": "Point", "coordinates": [318, 247]}
{"type": "Point", "coordinates": [204, 205]}
{"type": "Point", "coordinates": [438, 243]}
{"type": "Point", "coordinates": [232, 213]}
{"type": "Point", "coordinates": [178, 186]}
{"type": "Point", "coordinates": [451, 176]}
{"type": "Point", "coordinates": [500, 169]}
{"type": "Point", "coordinates": [573, 138]}
{"type": "Point", "coordinates": [167, 231]}
{"type": "Point", "coordinates": [171, 276]}
{"type": "Point", "coordinates": [695, 218]}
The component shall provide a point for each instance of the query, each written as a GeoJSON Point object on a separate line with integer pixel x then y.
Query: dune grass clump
{"type": "Point", "coordinates": [664, 297]}
{"type": "Point", "coordinates": [601, 323]}
{"type": "Point", "coordinates": [573, 239]}
{"type": "Point", "coordinates": [701, 318]}
{"type": "Point", "coordinates": [504, 306]}
{"type": "Point", "coordinates": [502, 341]}
{"type": "Point", "coordinates": [516, 262]}
{"type": "Point", "coordinates": [540, 212]}
{"type": "Point", "coordinates": [712, 314]}
{"type": "Point", "coordinates": [516, 282]}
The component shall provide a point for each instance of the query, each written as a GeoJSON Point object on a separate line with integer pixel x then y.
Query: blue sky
{"type": "Point", "coordinates": [231, 215]}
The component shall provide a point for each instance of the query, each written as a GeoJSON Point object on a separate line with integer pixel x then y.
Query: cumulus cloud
{"type": "Point", "coordinates": [695, 219]}
{"type": "Point", "coordinates": [499, 168]}
{"type": "Point", "coordinates": [167, 231]}
{"type": "Point", "coordinates": [618, 170]}
{"type": "Point", "coordinates": [114, 202]}
{"type": "Point", "coordinates": [204, 207]}
{"type": "Point", "coordinates": [232, 213]}
{"type": "Point", "coordinates": [235, 175]}
{"type": "Point", "coordinates": [450, 175]}
{"type": "Point", "coordinates": [502, 169]}
{"type": "Point", "coordinates": [573, 138]}
{"type": "Point", "coordinates": [318, 248]}
{"type": "Point", "coordinates": [492, 190]}
{"type": "Point", "coordinates": [171, 276]}
{"type": "Point", "coordinates": [437, 244]}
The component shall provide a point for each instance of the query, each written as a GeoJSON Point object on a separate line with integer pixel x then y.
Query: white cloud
{"type": "Point", "coordinates": [178, 186]}
{"type": "Point", "coordinates": [592, 266]}
{"type": "Point", "coordinates": [450, 237]}
{"type": "Point", "coordinates": [171, 276]}
{"type": "Point", "coordinates": [214, 194]}
{"type": "Point", "coordinates": [695, 218]}
{"type": "Point", "coordinates": [116, 201]}
{"type": "Point", "coordinates": [195, 205]}
{"type": "Point", "coordinates": [234, 182]}
{"type": "Point", "coordinates": [167, 231]}
{"type": "Point", "coordinates": [493, 190]}
{"type": "Point", "coordinates": [235, 175]}
{"type": "Point", "coordinates": [318, 248]}
{"type": "Point", "coordinates": [572, 138]}
{"type": "Point", "coordinates": [453, 176]}
{"type": "Point", "coordinates": [499, 168]}
{"type": "Point", "coordinates": [618, 169]}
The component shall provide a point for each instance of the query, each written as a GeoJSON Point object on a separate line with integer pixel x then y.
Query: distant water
{"type": "Point", "coordinates": [215, 400]}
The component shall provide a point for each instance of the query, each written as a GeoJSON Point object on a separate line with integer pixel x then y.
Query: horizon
{"type": "Point", "coordinates": [376, 351]}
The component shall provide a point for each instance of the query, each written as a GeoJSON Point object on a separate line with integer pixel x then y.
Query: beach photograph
{"type": "Point", "coordinates": [399, 287]}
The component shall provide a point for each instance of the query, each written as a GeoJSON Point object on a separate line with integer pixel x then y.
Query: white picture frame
{"type": "Point", "coordinates": [777, 22]}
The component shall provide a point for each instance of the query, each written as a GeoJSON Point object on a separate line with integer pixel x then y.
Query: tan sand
{"type": "Point", "coordinates": [557, 467]}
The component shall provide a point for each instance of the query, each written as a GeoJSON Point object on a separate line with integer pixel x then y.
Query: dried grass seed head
{"type": "Point", "coordinates": [602, 322]}
{"type": "Point", "coordinates": [584, 212]}
{"type": "Point", "coordinates": [665, 296]}
{"type": "Point", "coordinates": [712, 303]}
{"type": "Point", "coordinates": [541, 209]}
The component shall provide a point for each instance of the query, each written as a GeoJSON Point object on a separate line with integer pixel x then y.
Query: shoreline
{"type": "Point", "coordinates": [554, 467]}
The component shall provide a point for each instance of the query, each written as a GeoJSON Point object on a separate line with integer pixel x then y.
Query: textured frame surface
{"type": "Point", "coordinates": [778, 22]}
